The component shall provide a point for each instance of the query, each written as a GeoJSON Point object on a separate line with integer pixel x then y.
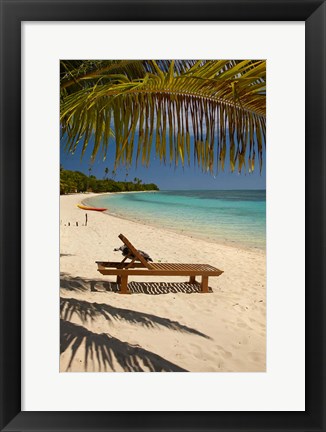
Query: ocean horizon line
{"type": "Point", "coordinates": [211, 189]}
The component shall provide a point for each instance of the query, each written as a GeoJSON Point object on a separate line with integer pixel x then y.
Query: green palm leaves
{"type": "Point", "coordinates": [160, 105]}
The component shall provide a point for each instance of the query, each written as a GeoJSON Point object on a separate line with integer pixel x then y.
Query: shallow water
{"type": "Point", "coordinates": [235, 217]}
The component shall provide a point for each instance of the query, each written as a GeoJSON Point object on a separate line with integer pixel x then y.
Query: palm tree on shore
{"type": "Point", "coordinates": [160, 105]}
{"type": "Point", "coordinates": [88, 178]}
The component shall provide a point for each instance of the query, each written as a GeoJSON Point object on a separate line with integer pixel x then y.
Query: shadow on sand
{"type": "Point", "coordinates": [154, 288]}
{"type": "Point", "coordinates": [71, 283]}
{"type": "Point", "coordinates": [101, 352]}
{"type": "Point", "coordinates": [108, 352]}
{"type": "Point", "coordinates": [87, 311]}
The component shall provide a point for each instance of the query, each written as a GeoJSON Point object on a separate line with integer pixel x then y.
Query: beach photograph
{"type": "Point", "coordinates": [162, 215]}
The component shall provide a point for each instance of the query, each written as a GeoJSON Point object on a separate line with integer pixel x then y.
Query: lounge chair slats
{"type": "Point", "coordinates": [183, 267]}
{"type": "Point", "coordinates": [124, 269]}
{"type": "Point", "coordinates": [156, 272]}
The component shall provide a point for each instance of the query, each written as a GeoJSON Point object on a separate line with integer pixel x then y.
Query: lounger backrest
{"type": "Point", "coordinates": [134, 251]}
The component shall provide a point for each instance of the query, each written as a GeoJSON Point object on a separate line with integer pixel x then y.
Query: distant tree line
{"type": "Point", "coordinates": [76, 181]}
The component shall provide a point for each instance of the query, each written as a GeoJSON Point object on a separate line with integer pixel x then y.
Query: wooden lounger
{"type": "Point", "coordinates": [124, 269]}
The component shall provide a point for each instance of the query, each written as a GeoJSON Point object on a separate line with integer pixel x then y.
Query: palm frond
{"type": "Point", "coordinates": [219, 103]}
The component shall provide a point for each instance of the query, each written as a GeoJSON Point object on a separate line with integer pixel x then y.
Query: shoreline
{"type": "Point", "coordinates": [165, 325]}
{"type": "Point", "coordinates": [227, 243]}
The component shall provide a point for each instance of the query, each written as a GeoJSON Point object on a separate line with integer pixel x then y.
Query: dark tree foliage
{"type": "Point", "coordinates": [76, 181]}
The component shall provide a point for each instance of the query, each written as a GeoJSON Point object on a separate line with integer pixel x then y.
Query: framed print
{"type": "Point", "coordinates": [225, 267]}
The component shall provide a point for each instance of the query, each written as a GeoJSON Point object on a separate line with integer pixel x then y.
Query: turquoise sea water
{"type": "Point", "coordinates": [235, 217]}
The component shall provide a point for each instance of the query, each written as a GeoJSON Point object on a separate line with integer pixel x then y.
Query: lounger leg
{"type": "Point", "coordinates": [119, 280]}
{"type": "Point", "coordinates": [124, 284]}
{"type": "Point", "coordinates": [192, 279]}
{"type": "Point", "coordinates": [204, 284]}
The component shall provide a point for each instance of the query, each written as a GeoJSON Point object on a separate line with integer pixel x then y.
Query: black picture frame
{"type": "Point", "coordinates": [13, 12]}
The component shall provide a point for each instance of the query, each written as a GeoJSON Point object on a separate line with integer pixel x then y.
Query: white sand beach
{"type": "Point", "coordinates": [159, 327]}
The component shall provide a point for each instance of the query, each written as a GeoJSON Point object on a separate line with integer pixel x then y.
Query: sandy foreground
{"type": "Point", "coordinates": [165, 325]}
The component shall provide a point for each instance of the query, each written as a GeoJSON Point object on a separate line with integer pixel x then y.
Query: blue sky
{"type": "Point", "coordinates": [165, 176]}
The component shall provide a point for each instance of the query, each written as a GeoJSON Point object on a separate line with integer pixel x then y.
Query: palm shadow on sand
{"type": "Point", "coordinates": [102, 351]}
{"type": "Point", "coordinates": [109, 352]}
{"type": "Point", "coordinates": [87, 311]}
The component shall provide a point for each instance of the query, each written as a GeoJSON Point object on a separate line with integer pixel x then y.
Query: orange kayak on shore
{"type": "Point", "coordinates": [91, 208]}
